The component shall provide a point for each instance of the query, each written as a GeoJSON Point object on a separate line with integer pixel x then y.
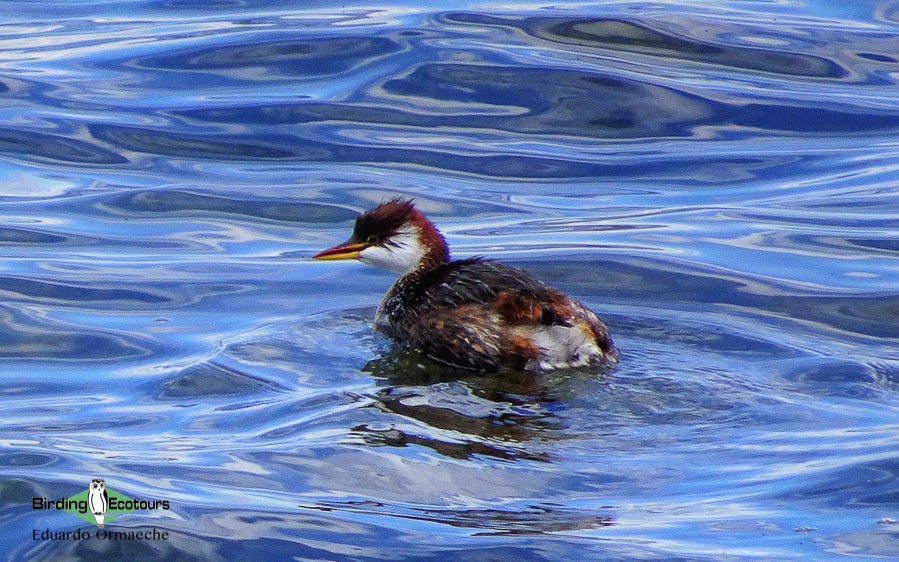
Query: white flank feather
{"type": "Point", "coordinates": [563, 347]}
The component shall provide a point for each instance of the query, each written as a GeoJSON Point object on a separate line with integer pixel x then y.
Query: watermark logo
{"type": "Point", "coordinates": [98, 498]}
{"type": "Point", "coordinates": [98, 505]}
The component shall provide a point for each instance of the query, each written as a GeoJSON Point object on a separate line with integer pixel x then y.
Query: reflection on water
{"type": "Point", "coordinates": [718, 182]}
{"type": "Point", "coordinates": [642, 38]}
{"type": "Point", "coordinates": [532, 520]}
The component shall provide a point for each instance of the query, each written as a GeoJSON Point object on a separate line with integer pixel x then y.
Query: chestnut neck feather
{"type": "Point", "coordinates": [436, 252]}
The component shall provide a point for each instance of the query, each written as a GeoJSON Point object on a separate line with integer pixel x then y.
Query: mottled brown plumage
{"type": "Point", "coordinates": [472, 313]}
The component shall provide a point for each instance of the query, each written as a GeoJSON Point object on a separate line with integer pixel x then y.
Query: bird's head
{"type": "Point", "coordinates": [394, 235]}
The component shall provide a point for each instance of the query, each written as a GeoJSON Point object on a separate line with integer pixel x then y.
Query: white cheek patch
{"type": "Point", "coordinates": [401, 253]}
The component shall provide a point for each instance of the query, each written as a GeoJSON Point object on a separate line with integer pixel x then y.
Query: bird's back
{"type": "Point", "coordinates": [483, 315]}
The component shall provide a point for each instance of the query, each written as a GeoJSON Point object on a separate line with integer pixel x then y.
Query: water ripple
{"type": "Point", "coordinates": [649, 38]}
{"type": "Point", "coordinates": [718, 182]}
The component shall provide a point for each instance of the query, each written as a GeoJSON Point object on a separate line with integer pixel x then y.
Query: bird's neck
{"type": "Point", "coordinates": [435, 250]}
{"type": "Point", "coordinates": [434, 254]}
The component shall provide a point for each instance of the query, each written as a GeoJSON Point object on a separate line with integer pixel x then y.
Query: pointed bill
{"type": "Point", "coordinates": [346, 251]}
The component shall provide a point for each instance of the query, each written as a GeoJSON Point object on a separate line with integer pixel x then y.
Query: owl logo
{"type": "Point", "coordinates": [98, 500]}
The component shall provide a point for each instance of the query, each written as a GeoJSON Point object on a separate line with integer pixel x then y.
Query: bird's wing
{"type": "Point", "coordinates": [473, 281]}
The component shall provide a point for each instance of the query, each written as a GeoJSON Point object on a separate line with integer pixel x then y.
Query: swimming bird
{"type": "Point", "coordinates": [471, 313]}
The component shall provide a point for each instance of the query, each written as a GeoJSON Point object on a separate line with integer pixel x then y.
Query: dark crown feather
{"type": "Point", "coordinates": [385, 219]}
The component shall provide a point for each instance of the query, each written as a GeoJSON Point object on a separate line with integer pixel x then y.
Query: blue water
{"type": "Point", "coordinates": [720, 181]}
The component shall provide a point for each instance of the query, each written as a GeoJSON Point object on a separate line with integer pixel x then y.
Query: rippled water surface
{"type": "Point", "coordinates": [720, 181]}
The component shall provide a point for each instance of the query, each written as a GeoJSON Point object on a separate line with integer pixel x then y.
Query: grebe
{"type": "Point", "coordinates": [472, 313]}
